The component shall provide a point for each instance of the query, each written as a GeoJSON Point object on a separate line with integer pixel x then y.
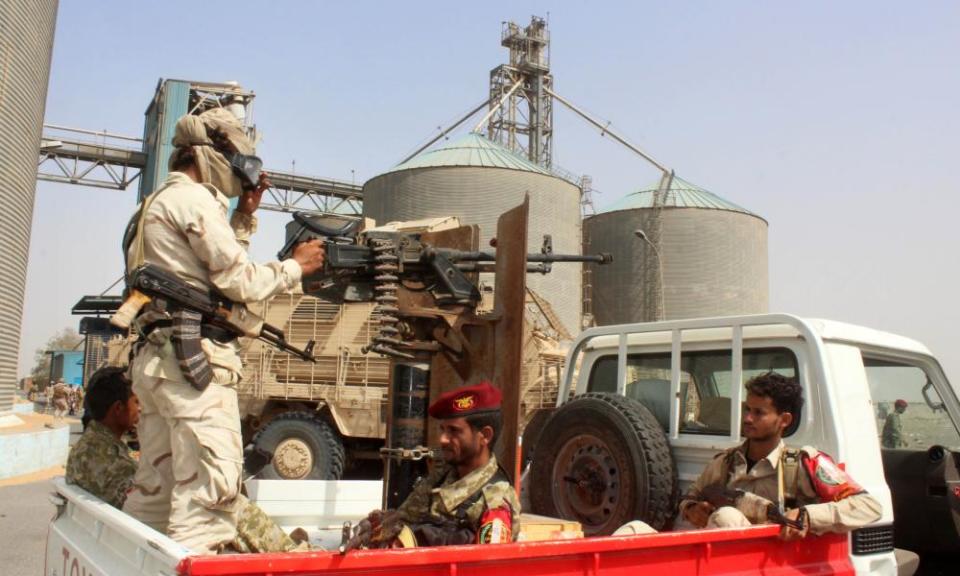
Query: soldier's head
{"type": "Point", "coordinates": [773, 402]}
{"type": "Point", "coordinates": [111, 401]}
{"type": "Point", "coordinates": [214, 148]}
{"type": "Point", "coordinates": [470, 422]}
{"type": "Point", "coordinates": [900, 406]}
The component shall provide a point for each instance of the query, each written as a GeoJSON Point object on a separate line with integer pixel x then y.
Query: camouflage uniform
{"type": "Point", "coordinates": [848, 510]}
{"type": "Point", "coordinates": [101, 464]}
{"type": "Point", "coordinates": [257, 532]}
{"type": "Point", "coordinates": [191, 455]}
{"type": "Point", "coordinates": [892, 436]}
{"type": "Point", "coordinates": [444, 509]}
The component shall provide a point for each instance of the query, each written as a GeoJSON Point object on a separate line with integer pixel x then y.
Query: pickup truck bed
{"type": "Point", "coordinates": [91, 538]}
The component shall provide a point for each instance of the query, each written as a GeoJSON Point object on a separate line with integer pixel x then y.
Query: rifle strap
{"type": "Point", "coordinates": [133, 235]}
{"type": "Point", "coordinates": [790, 460]}
{"type": "Point", "coordinates": [790, 463]}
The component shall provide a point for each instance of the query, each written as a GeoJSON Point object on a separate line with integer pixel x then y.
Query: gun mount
{"type": "Point", "coordinates": [377, 264]}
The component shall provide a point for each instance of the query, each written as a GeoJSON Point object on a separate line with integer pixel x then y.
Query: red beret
{"type": "Point", "coordinates": [900, 402]}
{"type": "Point", "coordinates": [467, 400]}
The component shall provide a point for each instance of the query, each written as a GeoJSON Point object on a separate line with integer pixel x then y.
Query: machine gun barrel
{"type": "Point", "coordinates": [464, 256]}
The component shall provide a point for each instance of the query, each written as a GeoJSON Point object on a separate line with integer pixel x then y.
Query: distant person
{"type": "Point", "coordinates": [61, 400]}
{"type": "Point", "coordinates": [101, 463]}
{"type": "Point", "coordinates": [816, 492]}
{"type": "Point", "coordinates": [892, 435]}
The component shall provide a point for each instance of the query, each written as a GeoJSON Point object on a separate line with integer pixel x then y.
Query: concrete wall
{"type": "Point", "coordinates": [31, 451]}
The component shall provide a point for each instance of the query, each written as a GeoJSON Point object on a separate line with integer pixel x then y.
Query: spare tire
{"type": "Point", "coordinates": [603, 460]}
{"type": "Point", "coordinates": [302, 448]}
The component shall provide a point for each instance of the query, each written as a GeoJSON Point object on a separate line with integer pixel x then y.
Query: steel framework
{"type": "Point", "coordinates": [104, 161]}
{"type": "Point", "coordinates": [527, 130]}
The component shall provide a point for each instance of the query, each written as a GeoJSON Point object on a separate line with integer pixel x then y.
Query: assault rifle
{"type": "Point", "coordinates": [719, 495]}
{"type": "Point", "coordinates": [148, 281]}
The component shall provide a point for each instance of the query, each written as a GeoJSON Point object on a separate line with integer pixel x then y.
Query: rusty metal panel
{"type": "Point", "coordinates": [509, 305]}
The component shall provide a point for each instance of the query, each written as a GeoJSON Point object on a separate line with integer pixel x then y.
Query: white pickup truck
{"type": "Point", "coordinates": [650, 404]}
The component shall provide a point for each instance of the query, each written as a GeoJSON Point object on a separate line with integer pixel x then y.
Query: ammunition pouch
{"type": "Point", "coordinates": [187, 330]}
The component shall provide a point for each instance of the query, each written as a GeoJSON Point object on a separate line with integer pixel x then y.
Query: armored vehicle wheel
{"type": "Point", "coordinates": [303, 448]}
{"type": "Point", "coordinates": [603, 460]}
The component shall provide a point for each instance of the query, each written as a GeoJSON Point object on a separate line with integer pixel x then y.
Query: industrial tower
{"type": "Point", "coordinates": [524, 121]}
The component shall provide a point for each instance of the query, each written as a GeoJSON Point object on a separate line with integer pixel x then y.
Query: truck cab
{"type": "Point", "coordinates": [688, 375]}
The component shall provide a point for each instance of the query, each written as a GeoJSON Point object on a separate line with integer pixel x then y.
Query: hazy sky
{"type": "Point", "coordinates": [836, 122]}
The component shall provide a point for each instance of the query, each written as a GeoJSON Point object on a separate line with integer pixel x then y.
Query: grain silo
{"type": "Point", "coordinates": [713, 255]}
{"type": "Point", "coordinates": [26, 44]}
{"type": "Point", "coordinates": [477, 180]}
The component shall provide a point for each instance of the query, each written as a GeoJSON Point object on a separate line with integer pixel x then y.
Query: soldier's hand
{"type": "Point", "coordinates": [309, 255]}
{"type": "Point", "coordinates": [789, 533]}
{"type": "Point", "coordinates": [362, 534]}
{"type": "Point", "coordinates": [699, 513]}
{"type": "Point", "coordinates": [250, 200]}
{"type": "Point", "coordinates": [390, 526]}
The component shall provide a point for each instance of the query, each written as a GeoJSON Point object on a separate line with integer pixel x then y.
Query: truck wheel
{"type": "Point", "coordinates": [303, 448]}
{"type": "Point", "coordinates": [603, 460]}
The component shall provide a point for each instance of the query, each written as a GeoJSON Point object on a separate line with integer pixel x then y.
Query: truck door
{"type": "Point", "coordinates": [920, 446]}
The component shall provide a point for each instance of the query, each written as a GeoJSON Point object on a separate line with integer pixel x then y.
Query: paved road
{"type": "Point", "coordinates": [25, 512]}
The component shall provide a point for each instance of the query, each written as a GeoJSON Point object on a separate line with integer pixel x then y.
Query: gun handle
{"type": "Point", "coordinates": [124, 316]}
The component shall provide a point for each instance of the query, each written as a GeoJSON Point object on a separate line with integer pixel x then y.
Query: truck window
{"type": "Point", "coordinates": [705, 387]}
{"type": "Point", "coordinates": [920, 421]}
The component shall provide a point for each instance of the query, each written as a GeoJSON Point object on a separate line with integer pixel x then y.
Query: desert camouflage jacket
{"type": "Point", "coordinates": [481, 507]}
{"type": "Point", "coordinates": [101, 465]}
{"type": "Point", "coordinates": [833, 501]}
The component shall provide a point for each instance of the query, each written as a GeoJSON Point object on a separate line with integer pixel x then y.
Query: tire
{"type": "Point", "coordinates": [302, 448]}
{"type": "Point", "coordinates": [603, 460]}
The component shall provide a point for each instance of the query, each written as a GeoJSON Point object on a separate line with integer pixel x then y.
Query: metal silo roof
{"type": "Point", "coordinates": [470, 150]}
{"type": "Point", "coordinates": [682, 194]}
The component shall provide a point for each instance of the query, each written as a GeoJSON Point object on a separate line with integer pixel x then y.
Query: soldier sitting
{"type": "Point", "coordinates": [101, 463]}
{"type": "Point", "coordinates": [468, 498]}
{"type": "Point", "coordinates": [762, 471]}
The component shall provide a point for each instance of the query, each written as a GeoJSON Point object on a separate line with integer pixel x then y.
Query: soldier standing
{"type": "Point", "coordinates": [892, 435]}
{"type": "Point", "coordinates": [468, 498]}
{"type": "Point", "coordinates": [188, 480]}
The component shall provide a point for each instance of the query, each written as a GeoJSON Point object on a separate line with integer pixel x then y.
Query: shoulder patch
{"type": "Point", "coordinates": [497, 494]}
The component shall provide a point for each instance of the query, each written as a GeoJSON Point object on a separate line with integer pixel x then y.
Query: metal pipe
{"type": "Point", "coordinates": [605, 129]}
{"type": "Point", "coordinates": [663, 309]}
{"type": "Point", "coordinates": [103, 133]}
{"type": "Point", "coordinates": [493, 110]}
{"type": "Point", "coordinates": [447, 131]}
{"type": "Point", "coordinates": [410, 391]}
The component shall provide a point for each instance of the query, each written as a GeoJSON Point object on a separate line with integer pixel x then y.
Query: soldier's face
{"type": "Point", "coordinates": [761, 421]}
{"type": "Point", "coordinates": [459, 443]}
{"type": "Point", "coordinates": [131, 413]}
